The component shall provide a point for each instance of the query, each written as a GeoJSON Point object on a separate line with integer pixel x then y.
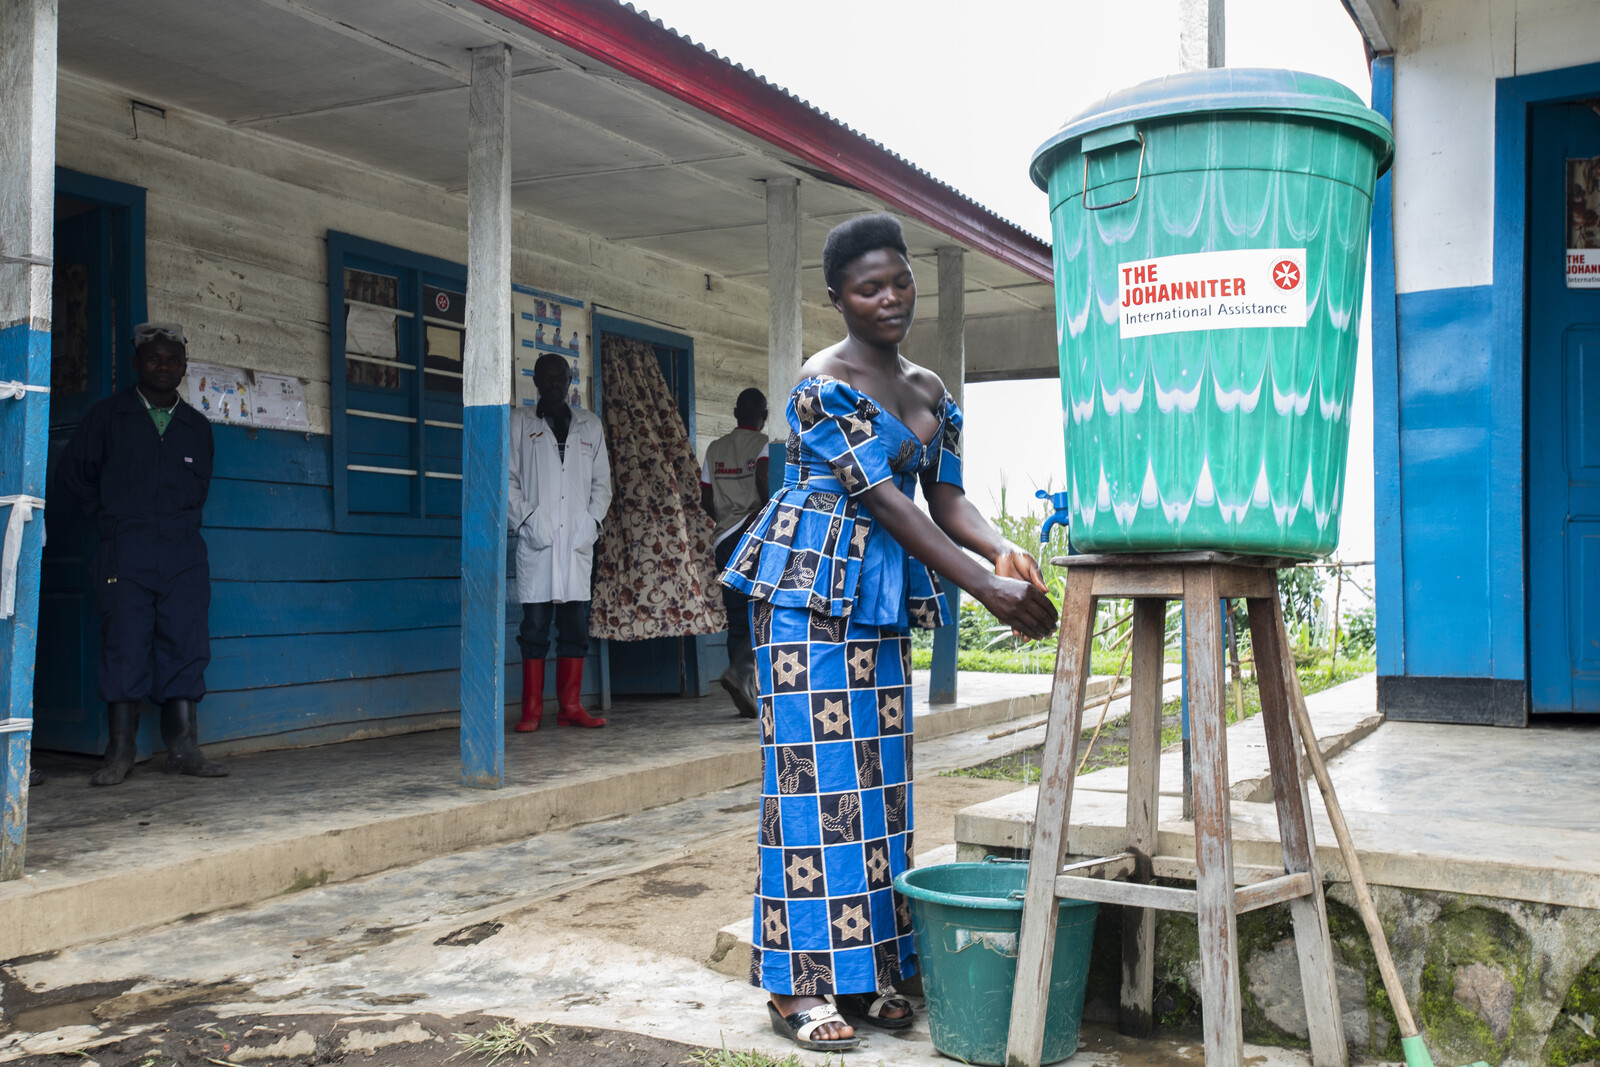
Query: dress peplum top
{"type": "Point", "coordinates": [813, 546]}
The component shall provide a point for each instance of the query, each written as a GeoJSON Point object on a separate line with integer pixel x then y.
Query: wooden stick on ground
{"type": "Point", "coordinates": [1347, 848]}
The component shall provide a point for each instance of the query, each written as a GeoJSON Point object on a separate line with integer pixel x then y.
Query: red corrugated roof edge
{"type": "Point", "coordinates": [646, 49]}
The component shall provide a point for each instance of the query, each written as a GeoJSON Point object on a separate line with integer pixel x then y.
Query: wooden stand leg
{"type": "Point", "coordinates": [1036, 940]}
{"type": "Point", "coordinates": [1279, 685]}
{"type": "Point", "coordinates": [1144, 792]}
{"type": "Point", "coordinates": [1213, 842]}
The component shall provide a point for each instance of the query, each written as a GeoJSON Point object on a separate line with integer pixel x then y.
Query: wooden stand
{"type": "Point", "coordinates": [1201, 580]}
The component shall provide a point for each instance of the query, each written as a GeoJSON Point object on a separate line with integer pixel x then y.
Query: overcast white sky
{"type": "Point", "coordinates": [967, 91]}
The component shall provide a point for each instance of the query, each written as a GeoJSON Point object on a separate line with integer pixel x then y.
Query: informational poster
{"type": "Point", "coordinates": [278, 402]}
{"type": "Point", "coordinates": [548, 323]}
{"type": "Point", "coordinates": [1583, 223]}
{"type": "Point", "coordinates": [369, 331]}
{"type": "Point", "coordinates": [1238, 289]}
{"type": "Point", "coordinates": [221, 394]}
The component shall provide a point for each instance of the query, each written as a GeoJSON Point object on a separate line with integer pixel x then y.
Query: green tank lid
{"type": "Point", "coordinates": [1263, 90]}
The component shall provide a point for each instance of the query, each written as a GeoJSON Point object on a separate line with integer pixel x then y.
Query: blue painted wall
{"type": "Point", "coordinates": [317, 631]}
{"type": "Point", "coordinates": [1444, 485]}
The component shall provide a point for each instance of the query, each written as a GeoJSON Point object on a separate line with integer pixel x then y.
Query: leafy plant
{"type": "Point", "coordinates": [1361, 631]}
{"type": "Point", "coordinates": [1300, 589]}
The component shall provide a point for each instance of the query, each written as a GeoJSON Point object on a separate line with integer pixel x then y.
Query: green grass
{"type": "Point", "coordinates": [726, 1057]}
{"type": "Point", "coordinates": [1111, 749]}
{"type": "Point", "coordinates": [1005, 661]}
{"type": "Point", "coordinates": [505, 1040]}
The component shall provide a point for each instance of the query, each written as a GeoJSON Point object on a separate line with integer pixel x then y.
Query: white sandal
{"type": "Point", "coordinates": [868, 1007]}
{"type": "Point", "coordinates": [799, 1026]}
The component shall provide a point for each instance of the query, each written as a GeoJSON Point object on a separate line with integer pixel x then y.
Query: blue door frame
{"type": "Point", "coordinates": [104, 234]}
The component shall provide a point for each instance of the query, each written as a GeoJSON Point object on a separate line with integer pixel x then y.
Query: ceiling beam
{"type": "Point", "coordinates": [371, 101]}
{"type": "Point", "coordinates": [294, 7]}
{"type": "Point", "coordinates": [463, 75]}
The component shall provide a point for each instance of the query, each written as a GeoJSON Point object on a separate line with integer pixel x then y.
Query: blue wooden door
{"type": "Point", "coordinates": [1563, 417]}
{"type": "Point", "coordinates": [84, 327]}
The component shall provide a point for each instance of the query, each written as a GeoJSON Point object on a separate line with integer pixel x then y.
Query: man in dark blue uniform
{"type": "Point", "coordinates": [140, 465]}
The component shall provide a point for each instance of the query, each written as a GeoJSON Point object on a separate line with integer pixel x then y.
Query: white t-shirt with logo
{"type": "Point", "coordinates": [730, 470]}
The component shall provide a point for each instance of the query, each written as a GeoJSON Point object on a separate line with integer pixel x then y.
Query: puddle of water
{"type": "Point", "coordinates": [55, 1016]}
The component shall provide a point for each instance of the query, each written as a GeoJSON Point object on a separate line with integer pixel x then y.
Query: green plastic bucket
{"type": "Point", "coordinates": [965, 922]}
{"type": "Point", "coordinates": [1210, 240]}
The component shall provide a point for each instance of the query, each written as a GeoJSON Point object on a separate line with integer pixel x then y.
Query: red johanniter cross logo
{"type": "Point", "coordinates": [1286, 274]}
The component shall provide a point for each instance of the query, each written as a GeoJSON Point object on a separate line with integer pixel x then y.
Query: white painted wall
{"type": "Point", "coordinates": [1450, 54]}
{"type": "Point", "coordinates": [236, 225]}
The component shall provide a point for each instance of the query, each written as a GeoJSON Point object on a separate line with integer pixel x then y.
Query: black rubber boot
{"type": "Point", "coordinates": [35, 778]}
{"type": "Point", "coordinates": [181, 733]}
{"type": "Point", "coordinates": [123, 718]}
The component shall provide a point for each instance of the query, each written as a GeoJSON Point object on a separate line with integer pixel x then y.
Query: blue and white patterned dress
{"type": "Point", "coordinates": [833, 597]}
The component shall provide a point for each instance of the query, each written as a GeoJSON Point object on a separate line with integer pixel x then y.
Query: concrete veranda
{"type": "Point", "coordinates": [103, 862]}
{"type": "Point", "coordinates": [1476, 810]}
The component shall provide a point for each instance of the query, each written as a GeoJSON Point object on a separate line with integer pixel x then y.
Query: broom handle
{"type": "Point", "coordinates": [1347, 848]}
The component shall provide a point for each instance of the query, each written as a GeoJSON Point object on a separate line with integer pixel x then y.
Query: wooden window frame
{"type": "Point", "coordinates": [415, 271]}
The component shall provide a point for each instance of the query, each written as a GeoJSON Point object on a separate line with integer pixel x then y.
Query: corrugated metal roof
{"type": "Point", "coordinates": [644, 13]}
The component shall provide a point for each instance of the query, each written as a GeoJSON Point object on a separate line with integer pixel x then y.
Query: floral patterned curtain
{"type": "Point", "coordinates": [654, 575]}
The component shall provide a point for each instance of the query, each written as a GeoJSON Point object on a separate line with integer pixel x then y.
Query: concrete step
{"type": "Point", "coordinates": [1413, 842]}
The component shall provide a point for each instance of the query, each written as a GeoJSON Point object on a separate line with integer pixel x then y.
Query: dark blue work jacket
{"type": "Point", "coordinates": [145, 489]}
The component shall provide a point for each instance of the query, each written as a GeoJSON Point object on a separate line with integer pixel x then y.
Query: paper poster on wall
{"type": "Point", "coordinates": [221, 394]}
{"type": "Point", "coordinates": [1583, 223]}
{"type": "Point", "coordinates": [278, 402]}
{"type": "Point", "coordinates": [544, 323]}
{"type": "Point", "coordinates": [369, 331]}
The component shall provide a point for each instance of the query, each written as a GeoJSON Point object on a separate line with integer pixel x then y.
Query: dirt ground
{"type": "Point", "coordinates": [678, 907]}
{"type": "Point", "coordinates": [196, 1037]}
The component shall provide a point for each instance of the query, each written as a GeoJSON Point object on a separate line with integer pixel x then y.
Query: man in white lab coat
{"type": "Point", "coordinates": [560, 489]}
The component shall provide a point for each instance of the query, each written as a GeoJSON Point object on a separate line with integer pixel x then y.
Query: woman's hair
{"type": "Point", "coordinates": [856, 237]}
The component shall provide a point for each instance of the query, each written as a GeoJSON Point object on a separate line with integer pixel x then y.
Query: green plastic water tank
{"type": "Point", "coordinates": [1210, 234]}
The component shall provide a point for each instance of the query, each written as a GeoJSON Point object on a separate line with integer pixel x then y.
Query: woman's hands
{"type": "Point", "coordinates": [1016, 562]}
{"type": "Point", "coordinates": [1018, 598]}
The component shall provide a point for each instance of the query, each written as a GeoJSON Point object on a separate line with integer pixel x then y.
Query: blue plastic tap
{"type": "Point", "coordinates": [1060, 516]}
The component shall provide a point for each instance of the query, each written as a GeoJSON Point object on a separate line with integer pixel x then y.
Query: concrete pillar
{"type": "Point", "coordinates": [953, 319]}
{"type": "Point", "coordinates": [952, 368]}
{"type": "Point", "coordinates": [784, 354]}
{"type": "Point", "coordinates": [486, 414]}
{"type": "Point", "coordinates": [27, 223]}
{"type": "Point", "coordinates": [1201, 34]}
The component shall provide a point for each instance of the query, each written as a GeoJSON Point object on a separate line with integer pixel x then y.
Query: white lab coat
{"type": "Point", "coordinates": [556, 507]}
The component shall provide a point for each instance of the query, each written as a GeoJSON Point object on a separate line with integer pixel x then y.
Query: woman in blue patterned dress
{"type": "Point", "coordinates": [838, 567]}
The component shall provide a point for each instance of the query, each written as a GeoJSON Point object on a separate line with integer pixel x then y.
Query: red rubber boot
{"type": "Point", "coordinates": [532, 695]}
{"type": "Point", "coordinates": [569, 683]}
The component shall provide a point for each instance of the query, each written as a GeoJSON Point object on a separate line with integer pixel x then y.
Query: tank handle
{"type": "Point", "coordinates": [1102, 139]}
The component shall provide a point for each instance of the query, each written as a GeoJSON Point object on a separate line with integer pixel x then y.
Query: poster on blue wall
{"type": "Point", "coordinates": [544, 323]}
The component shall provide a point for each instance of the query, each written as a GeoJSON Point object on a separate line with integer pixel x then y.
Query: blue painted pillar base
{"type": "Point", "coordinates": [485, 451]}
{"type": "Point", "coordinates": [24, 423]}
{"type": "Point", "coordinates": [946, 649]}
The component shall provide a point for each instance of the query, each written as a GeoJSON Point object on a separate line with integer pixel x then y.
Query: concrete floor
{"type": "Point", "coordinates": [609, 925]}
{"type": "Point", "coordinates": [102, 862]}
